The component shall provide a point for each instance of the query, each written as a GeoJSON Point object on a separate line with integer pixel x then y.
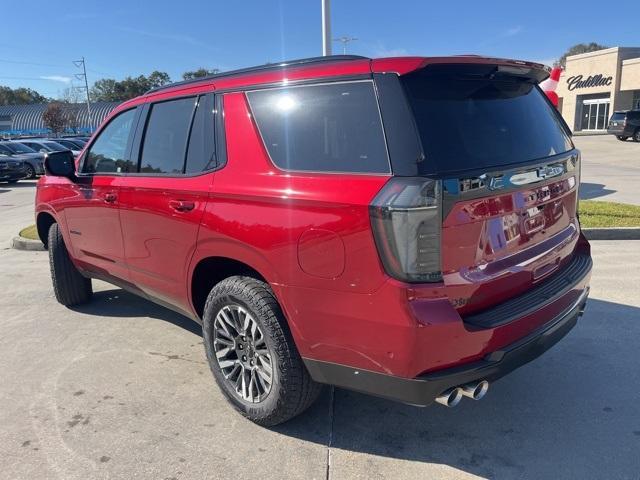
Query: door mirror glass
{"type": "Point", "coordinates": [43, 150]}
{"type": "Point", "coordinates": [60, 164]}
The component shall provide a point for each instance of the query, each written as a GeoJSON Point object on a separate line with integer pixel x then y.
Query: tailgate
{"type": "Point", "coordinates": [507, 231]}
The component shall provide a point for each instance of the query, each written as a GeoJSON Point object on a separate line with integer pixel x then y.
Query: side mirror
{"type": "Point", "coordinates": [60, 164]}
{"type": "Point", "coordinates": [43, 150]}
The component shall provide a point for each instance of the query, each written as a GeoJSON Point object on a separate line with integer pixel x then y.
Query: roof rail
{"type": "Point", "coordinates": [262, 68]}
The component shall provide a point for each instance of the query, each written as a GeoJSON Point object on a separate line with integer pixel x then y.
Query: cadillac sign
{"type": "Point", "coordinates": [578, 81]}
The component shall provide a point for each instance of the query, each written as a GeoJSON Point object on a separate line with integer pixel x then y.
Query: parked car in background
{"type": "Point", "coordinates": [45, 146]}
{"type": "Point", "coordinates": [11, 170]}
{"type": "Point", "coordinates": [403, 227]}
{"type": "Point", "coordinates": [73, 145]}
{"type": "Point", "coordinates": [81, 142]}
{"type": "Point", "coordinates": [34, 161]}
{"type": "Point", "coordinates": [625, 124]}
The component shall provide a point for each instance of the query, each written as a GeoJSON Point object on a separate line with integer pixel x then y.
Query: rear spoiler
{"type": "Point", "coordinates": [403, 65]}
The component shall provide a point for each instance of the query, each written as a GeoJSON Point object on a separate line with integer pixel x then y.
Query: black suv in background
{"type": "Point", "coordinates": [625, 124]}
{"type": "Point", "coordinates": [11, 170]}
{"type": "Point", "coordinates": [33, 161]}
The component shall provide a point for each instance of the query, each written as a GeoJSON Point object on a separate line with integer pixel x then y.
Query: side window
{"type": "Point", "coordinates": [166, 135]}
{"type": "Point", "coordinates": [333, 127]}
{"type": "Point", "coordinates": [201, 154]}
{"type": "Point", "coordinates": [109, 151]}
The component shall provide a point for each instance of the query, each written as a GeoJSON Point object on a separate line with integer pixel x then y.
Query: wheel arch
{"type": "Point", "coordinates": [211, 270]}
{"type": "Point", "coordinates": [44, 220]}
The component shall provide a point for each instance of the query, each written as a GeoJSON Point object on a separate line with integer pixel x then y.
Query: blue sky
{"type": "Point", "coordinates": [120, 38]}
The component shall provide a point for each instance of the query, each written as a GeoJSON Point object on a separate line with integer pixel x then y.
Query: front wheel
{"type": "Point", "coordinates": [636, 135]}
{"type": "Point", "coordinates": [69, 286]}
{"type": "Point", "coordinates": [252, 354]}
{"type": "Point", "coordinates": [621, 138]}
{"type": "Point", "coordinates": [30, 171]}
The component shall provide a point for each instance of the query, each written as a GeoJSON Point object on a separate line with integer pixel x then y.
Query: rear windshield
{"type": "Point", "coordinates": [473, 117]}
{"type": "Point", "coordinates": [618, 116]}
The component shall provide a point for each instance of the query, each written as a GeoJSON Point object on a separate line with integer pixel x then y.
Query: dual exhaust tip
{"type": "Point", "coordinates": [474, 390]}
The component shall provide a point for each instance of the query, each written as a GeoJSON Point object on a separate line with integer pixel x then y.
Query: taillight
{"type": "Point", "coordinates": [406, 219]}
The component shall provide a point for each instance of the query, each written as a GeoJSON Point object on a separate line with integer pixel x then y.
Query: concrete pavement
{"type": "Point", "coordinates": [610, 168]}
{"type": "Point", "coordinates": [120, 389]}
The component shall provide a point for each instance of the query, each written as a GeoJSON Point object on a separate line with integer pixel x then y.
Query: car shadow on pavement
{"type": "Point", "coordinates": [553, 418]}
{"type": "Point", "coordinates": [573, 413]}
{"type": "Point", "coordinates": [120, 303]}
{"type": "Point", "coordinates": [589, 191]}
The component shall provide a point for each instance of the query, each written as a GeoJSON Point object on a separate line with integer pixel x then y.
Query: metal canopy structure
{"type": "Point", "coordinates": [27, 119]}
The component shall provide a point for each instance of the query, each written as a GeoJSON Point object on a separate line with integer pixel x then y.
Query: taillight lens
{"type": "Point", "coordinates": [406, 219]}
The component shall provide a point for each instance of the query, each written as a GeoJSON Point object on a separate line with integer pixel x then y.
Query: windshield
{"type": "Point", "coordinates": [19, 148]}
{"type": "Point", "coordinates": [470, 117]}
{"type": "Point", "coordinates": [54, 146]}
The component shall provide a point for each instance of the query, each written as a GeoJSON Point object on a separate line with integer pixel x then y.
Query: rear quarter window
{"type": "Point", "coordinates": [322, 128]}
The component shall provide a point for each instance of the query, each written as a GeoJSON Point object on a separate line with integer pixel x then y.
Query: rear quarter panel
{"type": "Point", "coordinates": [296, 229]}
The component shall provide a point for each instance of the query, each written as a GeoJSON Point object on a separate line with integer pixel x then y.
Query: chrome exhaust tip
{"type": "Point", "coordinates": [475, 390]}
{"type": "Point", "coordinates": [450, 398]}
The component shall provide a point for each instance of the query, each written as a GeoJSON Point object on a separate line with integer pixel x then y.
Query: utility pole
{"type": "Point", "coordinates": [345, 40]}
{"type": "Point", "coordinates": [83, 76]}
{"type": "Point", "coordinates": [326, 27]}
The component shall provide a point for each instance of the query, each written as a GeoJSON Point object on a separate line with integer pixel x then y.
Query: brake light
{"type": "Point", "coordinates": [406, 219]}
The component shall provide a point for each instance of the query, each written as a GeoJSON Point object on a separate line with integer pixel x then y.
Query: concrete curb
{"type": "Point", "coordinates": [21, 243]}
{"type": "Point", "coordinates": [619, 233]}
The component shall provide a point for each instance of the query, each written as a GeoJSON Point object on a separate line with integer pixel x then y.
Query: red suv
{"type": "Point", "coordinates": [404, 227]}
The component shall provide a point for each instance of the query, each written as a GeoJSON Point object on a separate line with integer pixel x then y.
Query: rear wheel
{"type": "Point", "coordinates": [252, 355]}
{"type": "Point", "coordinates": [70, 287]}
{"type": "Point", "coordinates": [12, 181]}
{"type": "Point", "coordinates": [636, 135]}
{"type": "Point", "coordinates": [621, 138]}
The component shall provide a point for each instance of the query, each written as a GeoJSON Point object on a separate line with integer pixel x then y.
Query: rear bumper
{"type": "Point", "coordinates": [423, 389]}
{"type": "Point", "coordinates": [620, 131]}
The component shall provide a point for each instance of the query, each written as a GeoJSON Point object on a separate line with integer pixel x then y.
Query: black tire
{"type": "Point", "coordinates": [30, 171]}
{"type": "Point", "coordinates": [636, 135]}
{"type": "Point", "coordinates": [11, 182]}
{"type": "Point", "coordinates": [621, 138]}
{"type": "Point", "coordinates": [292, 390]}
{"type": "Point", "coordinates": [70, 287]}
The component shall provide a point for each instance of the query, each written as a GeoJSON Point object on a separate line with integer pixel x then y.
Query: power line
{"type": "Point", "coordinates": [17, 62]}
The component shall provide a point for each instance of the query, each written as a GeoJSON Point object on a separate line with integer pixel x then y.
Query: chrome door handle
{"type": "Point", "coordinates": [182, 205]}
{"type": "Point", "coordinates": [110, 197]}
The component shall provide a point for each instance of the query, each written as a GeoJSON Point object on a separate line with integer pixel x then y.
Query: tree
{"type": "Point", "coordinates": [55, 118]}
{"type": "Point", "coordinates": [199, 73]}
{"type": "Point", "coordinates": [73, 95]}
{"type": "Point", "coordinates": [72, 120]}
{"type": "Point", "coordinates": [19, 96]}
{"type": "Point", "coordinates": [577, 50]}
{"type": "Point", "coordinates": [110, 90]}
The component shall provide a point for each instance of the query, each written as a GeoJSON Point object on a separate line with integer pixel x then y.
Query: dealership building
{"type": "Point", "coordinates": [594, 85]}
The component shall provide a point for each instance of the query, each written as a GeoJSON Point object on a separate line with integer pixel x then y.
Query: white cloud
{"type": "Point", "coordinates": [186, 39]}
{"type": "Point", "coordinates": [510, 32]}
{"type": "Point", "coordinates": [56, 78]}
{"type": "Point", "coordinates": [381, 50]}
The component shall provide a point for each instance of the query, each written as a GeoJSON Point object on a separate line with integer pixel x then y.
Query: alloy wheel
{"type": "Point", "coordinates": [31, 173]}
{"type": "Point", "coordinates": [242, 354]}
